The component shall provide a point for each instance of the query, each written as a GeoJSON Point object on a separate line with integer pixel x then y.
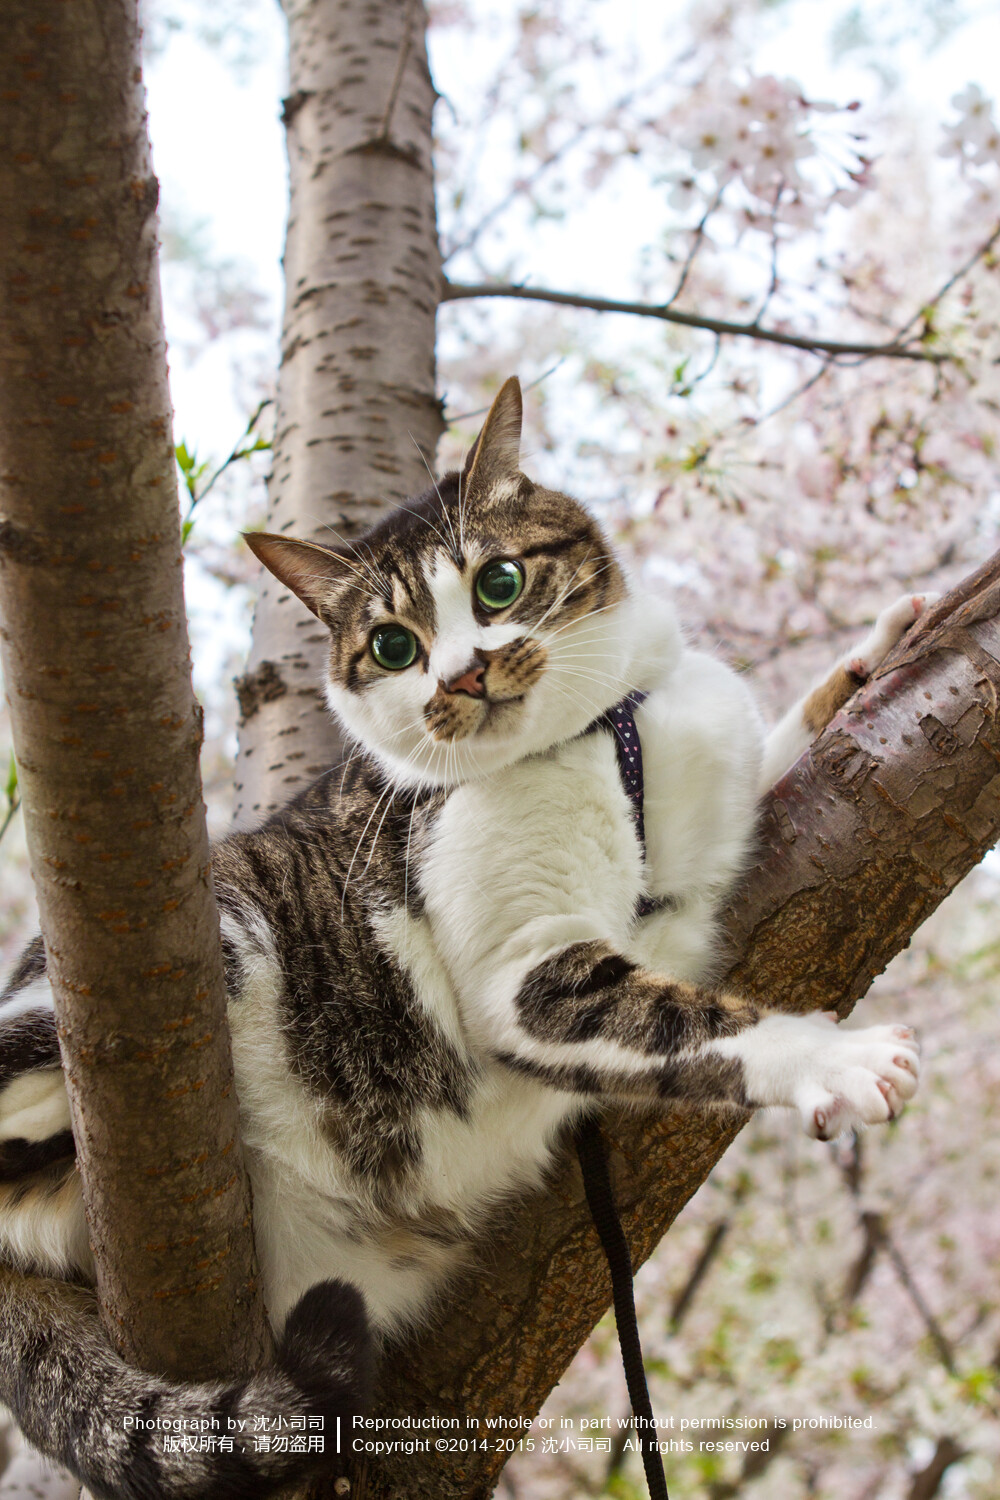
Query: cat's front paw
{"type": "Point", "coordinates": [891, 625]}
{"type": "Point", "coordinates": [853, 1078]}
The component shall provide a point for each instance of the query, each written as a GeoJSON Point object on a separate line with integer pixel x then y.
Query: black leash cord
{"type": "Point", "coordinates": [600, 1200]}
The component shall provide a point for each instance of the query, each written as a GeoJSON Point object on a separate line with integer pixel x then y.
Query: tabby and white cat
{"type": "Point", "coordinates": [437, 957]}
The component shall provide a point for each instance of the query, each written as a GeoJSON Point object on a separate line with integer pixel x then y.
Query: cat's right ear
{"type": "Point", "coordinates": [496, 453]}
{"type": "Point", "coordinates": [308, 569]}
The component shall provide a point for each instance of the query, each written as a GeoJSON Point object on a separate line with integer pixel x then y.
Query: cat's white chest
{"type": "Point", "coordinates": [555, 836]}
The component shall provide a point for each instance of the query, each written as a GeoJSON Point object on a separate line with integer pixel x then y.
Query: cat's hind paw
{"type": "Point", "coordinates": [891, 625]}
{"type": "Point", "coordinates": [858, 1078]}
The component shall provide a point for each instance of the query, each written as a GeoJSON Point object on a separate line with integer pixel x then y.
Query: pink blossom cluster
{"type": "Point", "coordinates": [755, 132]}
{"type": "Point", "coordinates": [974, 138]}
{"type": "Point", "coordinates": [758, 133]}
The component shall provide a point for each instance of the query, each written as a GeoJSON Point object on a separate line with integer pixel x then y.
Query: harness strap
{"type": "Point", "coordinates": [600, 1200]}
{"type": "Point", "coordinates": [621, 721]}
{"type": "Point", "coordinates": [590, 1144]}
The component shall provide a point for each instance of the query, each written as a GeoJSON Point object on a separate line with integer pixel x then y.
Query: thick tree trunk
{"type": "Point", "coordinates": [358, 418]}
{"type": "Point", "coordinates": [106, 728]}
{"type": "Point", "coordinates": [896, 802]}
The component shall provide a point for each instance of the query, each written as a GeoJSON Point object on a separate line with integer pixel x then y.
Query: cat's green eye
{"type": "Point", "coordinates": [499, 584]}
{"type": "Point", "coordinates": [394, 647]}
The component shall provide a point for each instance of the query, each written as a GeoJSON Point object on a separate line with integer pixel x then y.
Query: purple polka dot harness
{"type": "Point", "coordinates": [621, 721]}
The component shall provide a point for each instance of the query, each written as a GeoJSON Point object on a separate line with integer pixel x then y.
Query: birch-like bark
{"type": "Point", "coordinates": [358, 417]}
{"type": "Point", "coordinates": [106, 728]}
{"type": "Point", "coordinates": [860, 842]}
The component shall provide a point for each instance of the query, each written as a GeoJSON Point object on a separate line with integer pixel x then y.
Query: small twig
{"type": "Point", "coordinates": [678, 1312]}
{"type": "Point", "coordinates": [706, 372]}
{"type": "Point", "coordinates": [786, 401]}
{"type": "Point", "coordinates": [709, 1251]}
{"type": "Point", "coordinates": [238, 452]}
{"type": "Point", "coordinates": [931, 1323]}
{"type": "Point", "coordinates": [382, 134]}
{"type": "Point", "coordinates": [694, 247]}
{"type": "Point", "coordinates": [12, 809]}
{"type": "Point", "coordinates": [453, 291]}
{"type": "Point", "coordinates": [754, 1464]}
{"type": "Point", "coordinates": [773, 283]}
{"type": "Point", "coordinates": [874, 1236]}
{"type": "Point", "coordinates": [927, 1482]}
{"type": "Point", "coordinates": [877, 1237]}
{"type": "Point", "coordinates": [554, 157]}
{"type": "Point", "coordinates": [464, 416]}
{"type": "Point", "coordinates": [963, 270]}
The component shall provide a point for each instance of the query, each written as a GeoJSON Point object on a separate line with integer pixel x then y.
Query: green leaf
{"type": "Point", "coordinates": [12, 794]}
{"type": "Point", "coordinates": [185, 460]}
{"type": "Point", "coordinates": [186, 530]}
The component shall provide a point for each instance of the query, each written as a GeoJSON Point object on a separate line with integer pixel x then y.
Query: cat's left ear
{"type": "Point", "coordinates": [312, 572]}
{"type": "Point", "coordinates": [496, 452]}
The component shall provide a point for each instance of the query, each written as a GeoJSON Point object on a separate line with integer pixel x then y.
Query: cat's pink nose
{"type": "Point", "coordinates": [471, 682]}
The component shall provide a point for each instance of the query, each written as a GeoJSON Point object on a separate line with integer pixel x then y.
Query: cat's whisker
{"type": "Point", "coordinates": [406, 858]}
{"type": "Point", "coordinates": [564, 595]}
{"type": "Point", "coordinates": [390, 791]}
{"type": "Point", "coordinates": [371, 573]}
{"type": "Point", "coordinates": [375, 838]}
{"type": "Point", "coordinates": [455, 549]}
{"type": "Point", "coordinates": [461, 514]}
{"type": "Point", "coordinates": [362, 749]}
{"type": "Point", "coordinates": [579, 619]}
{"type": "Point", "coordinates": [617, 687]}
{"type": "Point", "coordinates": [323, 577]}
{"type": "Point", "coordinates": [597, 650]}
{"type": "Point", "coordinates": [380, 583]}
{"type": "Point", "coordinates": [449, 547]}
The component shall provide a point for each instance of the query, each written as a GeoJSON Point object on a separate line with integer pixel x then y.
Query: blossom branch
{"type": "Point", "coordinates": [696, 244]}
{"type": "Point", "coordinates": [956, 276]}
{"type": "Point", "coordinates": [453, 291]}
{"type": "Point", "coordinates": [524, 185]}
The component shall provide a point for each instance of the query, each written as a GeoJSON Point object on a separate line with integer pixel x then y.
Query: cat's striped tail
{"type": "Point", "coordinates": [129, 1435]}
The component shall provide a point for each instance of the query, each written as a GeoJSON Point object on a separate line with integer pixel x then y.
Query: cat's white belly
{"type": "Point", "coordinates": [403, 1260]}
{"type": "Point", "coordinates": [314, 1219]}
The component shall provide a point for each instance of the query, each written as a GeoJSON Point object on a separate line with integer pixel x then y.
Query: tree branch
{"type": "Point", "coordinates": [454, 291]}
{"type": "Point", "coordinates": [357, 370]}
{"type": "Point", "coordinates": [859, 843]}
{"type": "Point", "coordinates": [934, 1329]}
{"type": "Point", "coordinates": [105, 724]}
{"type": "Point", "coordinates": [927, 1482]}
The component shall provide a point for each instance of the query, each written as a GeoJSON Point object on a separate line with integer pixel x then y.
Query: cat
{"type": "Point", "coordinates": [441, 954]}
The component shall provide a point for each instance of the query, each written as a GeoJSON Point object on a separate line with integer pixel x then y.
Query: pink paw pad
{"type": "Point", "coordinates": [826, 1124]}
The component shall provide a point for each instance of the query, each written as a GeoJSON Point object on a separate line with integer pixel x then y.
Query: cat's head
{"type": "Point", "coordinates": [481, 622]}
